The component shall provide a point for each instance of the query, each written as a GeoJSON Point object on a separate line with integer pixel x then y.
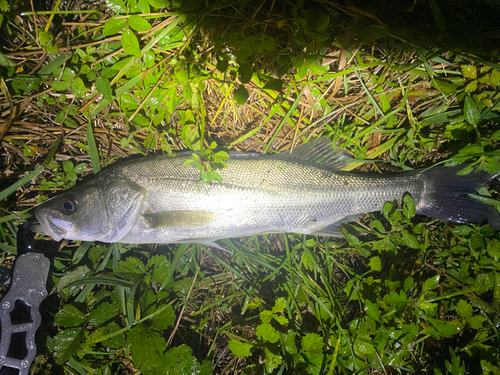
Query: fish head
{"type": "Point", "coordinates": [103, 209]}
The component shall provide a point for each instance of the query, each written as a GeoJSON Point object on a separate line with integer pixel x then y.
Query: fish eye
{"type": "Point", "coordinates": [68, 205]}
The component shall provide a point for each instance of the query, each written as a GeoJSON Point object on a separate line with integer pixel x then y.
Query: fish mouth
{"type": "Point", "coordinates": [53, 227]}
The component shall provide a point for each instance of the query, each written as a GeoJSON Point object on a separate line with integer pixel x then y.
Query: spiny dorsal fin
{"type": "Point", "coordinates": [318, 152]}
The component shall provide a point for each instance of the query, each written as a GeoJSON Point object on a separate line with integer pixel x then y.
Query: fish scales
{"type": "Point", "coordinates": [159, 200]}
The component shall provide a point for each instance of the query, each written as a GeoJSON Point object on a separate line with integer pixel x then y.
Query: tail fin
{"type": "Point", "coordinates": [447, 199]}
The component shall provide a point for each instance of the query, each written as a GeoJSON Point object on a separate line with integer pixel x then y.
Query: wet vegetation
{"type": "Point", "coordinates": [400, 86]}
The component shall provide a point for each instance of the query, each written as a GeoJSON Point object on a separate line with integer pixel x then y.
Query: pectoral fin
{"type": "Point", "coordinates": [184, 219]}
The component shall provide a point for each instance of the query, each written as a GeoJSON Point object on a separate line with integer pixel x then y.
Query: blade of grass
{"type": "Point", "coordinates": [177, 257]}
{"type": "Point", "coordinates": [88, 288]}
{"type": "Point", "coordinates": [93, 152]}
{"type": "Point", "coordinates": [100, 280]}
{"type": "Point", "coordinates": [369, 94]}
{"type": "Point", "coordinates": [52, 14]}
{"type": "Point", "coordinates": [274, 109]}
{"type": "Point", "coordinates": [80, 252]}
{"type": "Point", "coordinates": [8, 248]}
{"type": "Point", "coordinates": [285, 119]}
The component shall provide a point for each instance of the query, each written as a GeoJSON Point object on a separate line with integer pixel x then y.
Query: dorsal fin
{"type": "Point", "coordinates": [318, 152]}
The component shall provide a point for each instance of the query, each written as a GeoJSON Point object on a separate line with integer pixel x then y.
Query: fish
{"type": "Point", "coordinates": [156, 199]}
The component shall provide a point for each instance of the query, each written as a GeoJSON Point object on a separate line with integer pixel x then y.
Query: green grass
{"type": "Point", "coordinates": [410, 295]}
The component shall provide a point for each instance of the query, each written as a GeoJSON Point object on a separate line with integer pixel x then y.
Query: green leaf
{"type": "Point", "coordinates": [102, 313]}
{"type": "Point", "coordinates": [471, 111]}
{"type": "Point", "coordinates": [493, 249]}
{"type": "Point", "coordinates": [141, 121]}
{"type": "Point", "coordinates": [364, 345]}
{"type": "Point", "coordinates": [275, 85]}
{"type": "Point", "coordinates": [495, 77]}
{"type": "Point", "coordinates": [388, 209]}
{"type": "Point", "coordinates": [138, 23]}
{"type": "Point", "coordinates": [279, 305]}
{"type": "Point", "coordinates": [471, 86]}
{"type": "Point", "coordinates": [191, 134]}
{"type": "Point", "coordinates": [372, 310]}
{"type": "Point", "coordinates": [116, 341]}
{"type": "Point", "coordinates": [444, 329]}
{"type": "Point", "coordinates": [74, 275]}
{"type": "Point", "coordinates": [469, 71]}
{"type": "Point", "coordinates": [240, 349]}
{"type": "Point", "coordinates": [78, 87]}
{"type": "Point", "coordinates": [408, 206]}
{"type": "Point", "coordinates": [323, 21]}
{"type": "Point", "coordinates": [289, 342]}
{"type": "Point", "coordinates": [476, 322]}
{"type": "Point", "coordinates": [496, 287]}
{"type": "Point", "coordinates": [431, 283]}
{"type": "Point", "coordinates": [311, 353]}
{"type": "Point", "coordinates": [281, 319]}
{"type": "Point", "coordinates": [45, 37]}
{"type": "Point", "coordinates": [80, 168]}
{"type": "Point", "coordinates": [409, 239]}
{"type": "Point", "coordinates": [117, 6]}
{"type": "Point", "coordinates": [64, 75]}
{"type": "Point", "coordinates": [312, 342]}
{"type": "Point", "coordinates": [317, 69]}
{"type": "Point", "coordinates": [485, 281]}
{"type": "Point", "coordinates": [60, 85]}
{"type": "Point", "coordinates": [464, 309]}
{"type": "Point", "coordinates": [158, 4]}
{"type": "Point", "coordinates": [130, 43]}
{"type": "Point", "coordinates": [147, 346]}
{"type": "Point", "coordinates": [375, 264]}
{"type": "Point", "coordinates": [181, 73]}
{"type": "Point", "coordinates": [266, 332]}
{"type": "Point", "coordinates": [462, 230]}
{"type": "Point", "coordinates": [180, 361]}
{"type": "Point", "coordinates": [70, 316]}
{"type": "Point", "coordinates": [160, 266]}
{"type": "Point", "coordinates": [68, 166]}
{"type": "Point", "coordinates": [222, 65]}
{"type": "Point", "coordinates": [273, 360]}
{"type": "Point", "coordinates": [488, 368]}
{"type": "Point", "coordinates": [266, 316]}
{"type": "Point", "coordinates": [130, 269]}
{"type": "Point", "coordinates": [241, 95]}
{"type": "Point", "coordinates": [245, 71]}
{"type": "Point", "coordinates": [4, 60]}
{"type": "Point", "coordinates": [468, 169]}
{"type": "Point", "coordinates": [104, 87]}
{"type": "Point", "coordinates": [114, 26]}
{"type": "Point", "coordinates": [430, 308]}
{"type": "Point", "coordinates": [261, 44]}
{"type": "Point", "coordinates": [302, 69]}
{"type": "Point", "coordinates": [378, 226]}
{"type": "Point", "coordinates": [164, 319]}
{"type": "Point", "coordinates": [65, 344]}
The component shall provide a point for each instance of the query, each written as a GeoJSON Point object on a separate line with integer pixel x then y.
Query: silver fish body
{"type": "Point", "coordinates": [158, 200]}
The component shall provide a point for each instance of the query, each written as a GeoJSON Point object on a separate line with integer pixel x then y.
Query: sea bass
{"type": "Point", "coordinates": [156, 199]}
